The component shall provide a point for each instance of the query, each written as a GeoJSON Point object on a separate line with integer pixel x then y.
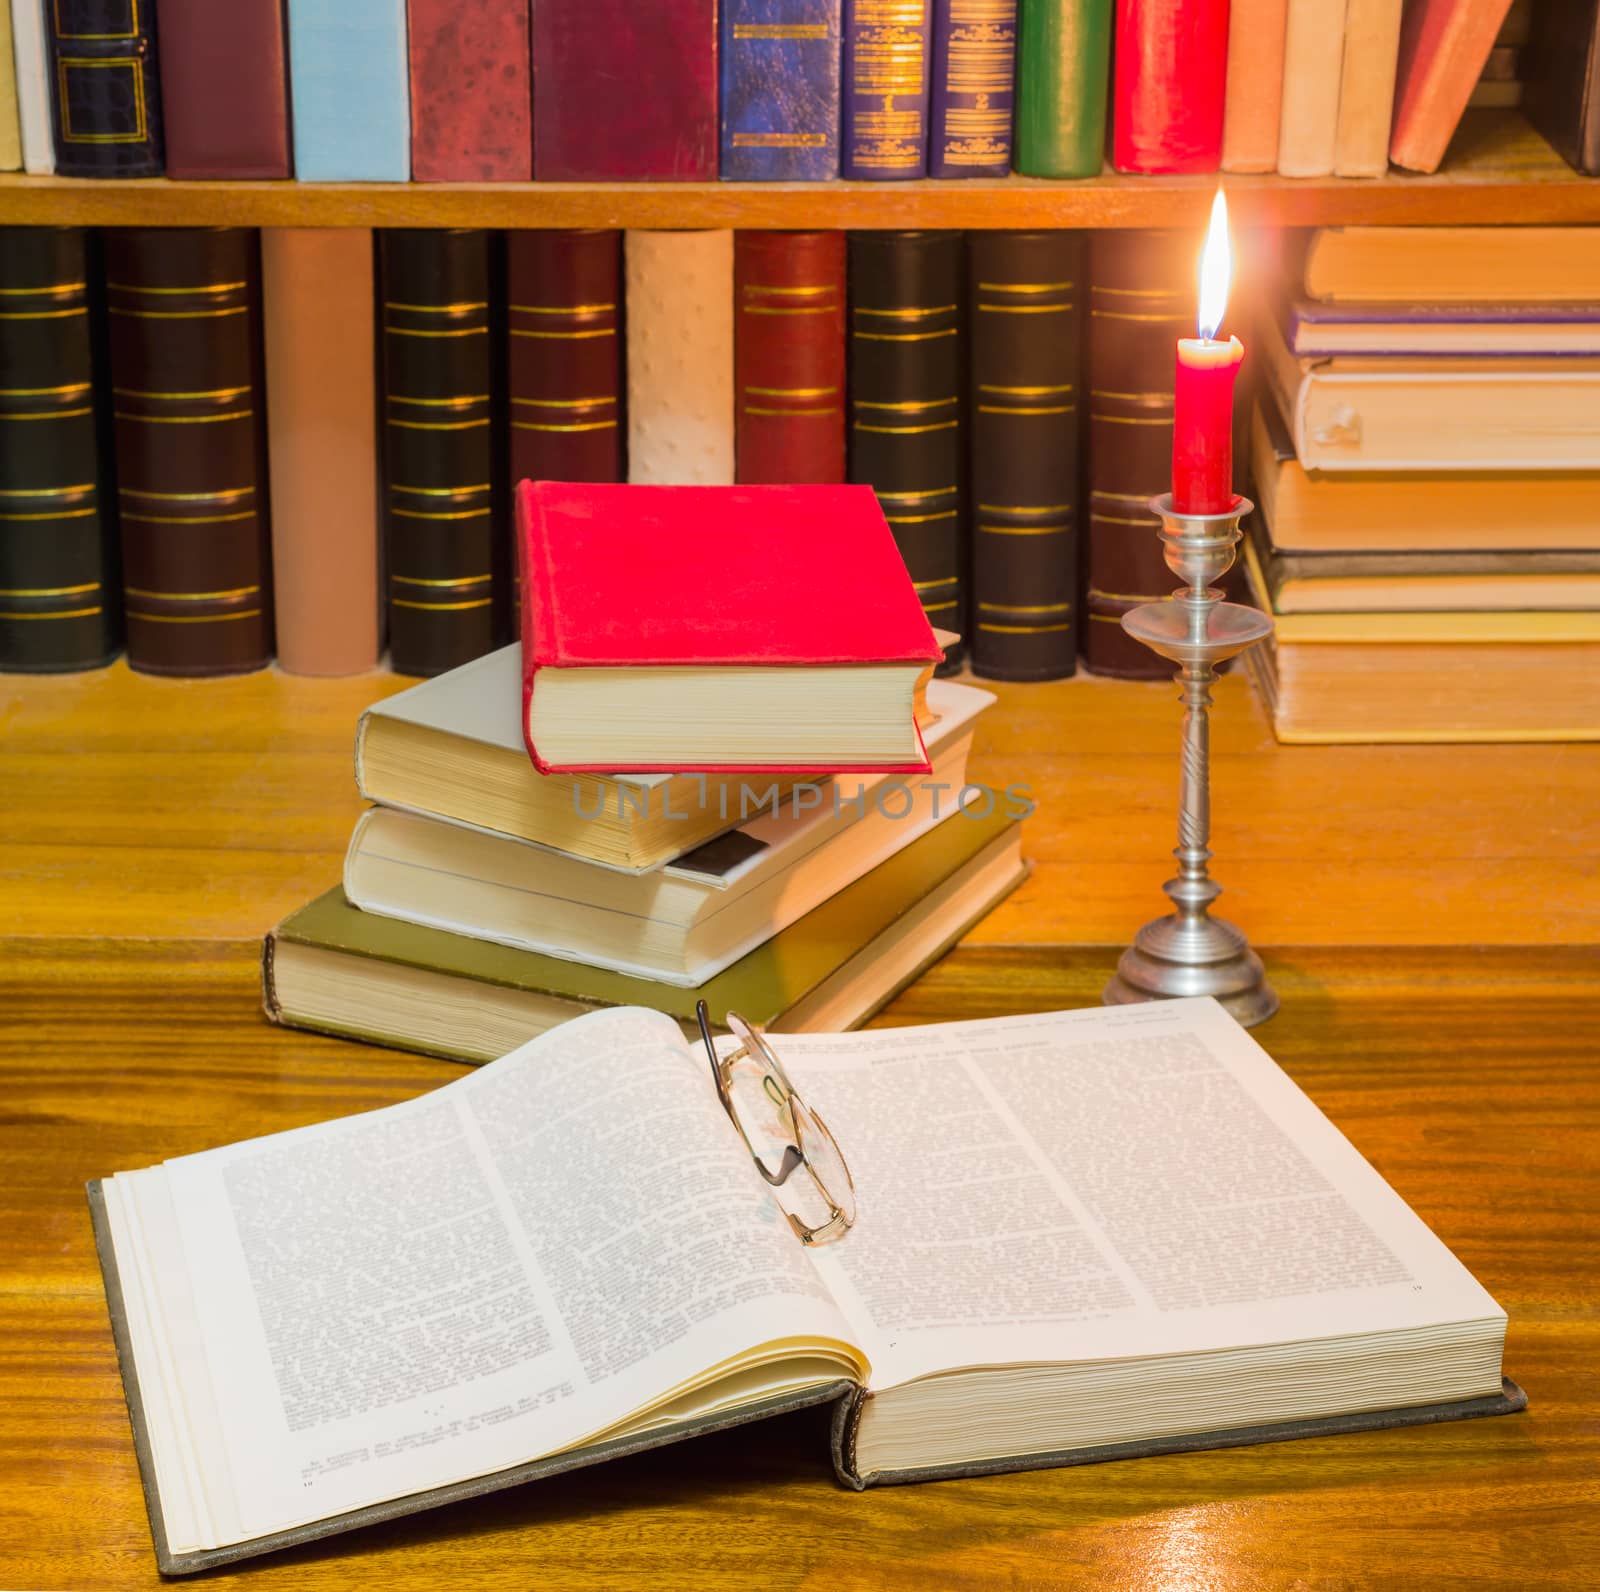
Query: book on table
{"type": "Point", "coordinates": [1078, 1236]}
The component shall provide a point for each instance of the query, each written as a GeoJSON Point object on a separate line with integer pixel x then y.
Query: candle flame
{"type": "Point", "coordinates": [1216, 264]}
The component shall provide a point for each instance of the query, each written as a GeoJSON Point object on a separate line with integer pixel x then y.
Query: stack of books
{"type": "Point", "coordinates": [489, 895]}
{"type": "Point", "coordinates": [1426, 456]}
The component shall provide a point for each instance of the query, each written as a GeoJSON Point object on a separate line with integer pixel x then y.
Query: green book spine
{"type": "Point", "coordinates": [1063, 63]}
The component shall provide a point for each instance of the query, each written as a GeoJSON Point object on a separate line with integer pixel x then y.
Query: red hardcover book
{"type": "Point", "coordinates": [471, 95]}
{"type": "Point", "coordinates": [1167, 94]}
{"type": "Point", "coordinates": [789, 356]}
{"type": "Point", "coordinates": [625, 91]}
{"type": "Point", "coordinates": [740, 628]}
{"type": "Point", "coordinates": [1443, 47]}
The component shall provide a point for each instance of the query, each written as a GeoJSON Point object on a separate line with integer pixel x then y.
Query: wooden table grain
{"type": "Point", "coordinates": [153, 829]}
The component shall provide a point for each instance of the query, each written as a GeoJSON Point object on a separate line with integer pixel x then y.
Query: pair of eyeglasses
{"type": "Point", "coordinates": [781, 1132]}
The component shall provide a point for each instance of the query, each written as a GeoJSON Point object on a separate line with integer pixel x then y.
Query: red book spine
{"type": "Point", "coordinates": [471, 91]}
{"type": "Point", "coordinates": [1171, 73]}
{"type": "Point", "coordinates": [1443, 47]}
{"type": "Point", "coordinates": [789, 356]}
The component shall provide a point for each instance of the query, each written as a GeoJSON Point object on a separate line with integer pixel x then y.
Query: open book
{"type": "Point", "coordinates": [1080, 1235]}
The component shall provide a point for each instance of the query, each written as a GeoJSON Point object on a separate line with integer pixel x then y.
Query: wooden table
{"type": "Point", "coordinates": [156, 828]}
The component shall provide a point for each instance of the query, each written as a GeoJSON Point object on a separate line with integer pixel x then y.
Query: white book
{"type": "Point", "coordinates": [33, 86]}
{"type": "Point", "coordinates": [1313, 48]}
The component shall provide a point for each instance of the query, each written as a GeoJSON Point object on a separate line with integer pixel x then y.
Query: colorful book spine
{"type": "Point", "coordinates": [789, 296]}
{"type": "Point", "coordinates": [780, 90]}
{"type": "Point", "coordinates": [471, 91]}
{"type": "Point", "coordinates": [1443, 47]}
{"type": "Point", "coordinates": [564, 355]}
{"type": "Point", "coordinates": [1253, 103]}
{"type": "Point", "coordinates": [1308, 127]}
{"type": "Point", "coordinates": [10, 126]}
{"type": "Point", "coordinates": [106, 90]}
{"type": "Point", "coordinates": [350, 90]}
{"type": "Point", "coordinates": [59, 597]}
{"type": "Point", "coordinates": [974, 54]}
{"type": "Point", "coordinates": [184, 308]}
{"type": "Point", "coordinates": [31, 52]}
{"type": "Point", "coordinates": [1366, 88]}
{"type": "Point", "coordinates": [887, 54]}
{"type": "Point", "coordinates": [905, 406]}
{"type": "Point", "coordinates": [1063, 69]}
{"type": "Point", "coordinates": [442, 505]}
{"type": "Point", "coordinates": [225, 88]}
{"type": "Point", "coordinates": [1024, 293]}
{"type": "Point", "coordinates": [1171, 69]}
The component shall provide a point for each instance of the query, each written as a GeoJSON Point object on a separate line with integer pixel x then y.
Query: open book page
{"type": "Point", "coordinates": [493, 1272]}
{"type": "Point", "coordinates": [1102, 1184]}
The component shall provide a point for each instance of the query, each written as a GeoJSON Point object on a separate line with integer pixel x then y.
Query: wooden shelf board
{"type": "Point", "coordinates": [1499, 170]}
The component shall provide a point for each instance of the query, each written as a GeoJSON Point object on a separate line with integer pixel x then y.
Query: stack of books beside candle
{"type": "Point", "coordinates": [1425, 453]}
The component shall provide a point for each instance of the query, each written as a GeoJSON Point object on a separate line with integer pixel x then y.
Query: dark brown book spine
{"type": "Point", "coordinates": [59, 593]}
{"type": "Point", "coordinates": [789, 323]}
{"type": "Point", "coordinates": [185, 338]}
{"type": "Point", "coordinates": [441, 501]}
{"type": "Point", "coordinates": [1025, 292]}
{"type": "Point", "coordinates": [105, 91]}
{"type": "Point", "coordinates": [1560, 67]}
{"type": "Point", "coordinates": [564, 349]}
{"type": "Point", "coordinates": [1141, 301]}
{"type": "Point", "coordinates": [905, 406]}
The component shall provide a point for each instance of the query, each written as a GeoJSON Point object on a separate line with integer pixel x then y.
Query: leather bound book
{"type": "Point", "coordinates": [317, 299]}
{"type": "Point", "coordinates": [471, 91]}
{"type": "Point", "coordinates": [225, 88]}
{"type": "Point", "coordinates": [59, 595]}
{"type": "Point", "coordinates": [105, 89]}
{"type": "Point", "coordinates": [564, 346]}
{"type": "Point", "coordinates": [442, 507]}
{"type": "Point", "coordinates": [350, 90]}
{"type": "Point", "coordinates": [185, 332]}
{"type": "Point", "coordinates": [884, 88]}
{"type": "Point", "coordinates": [1063, 70]}
{"type": "Point", "coordinates": [1560, 67]}
{"type": "Point", "coordinates": [1141, 300]}
{"type": "Point", "coordinates": [1254, 92]}
{"type": "Point", "coordinates": [780, 90]}
{"type": "Point", "coordinates": [1171, 69]}
{"type": "Point", "coordinates": [1024, 295]}
{"type": "Point", "coordinates": [974, 66]}
{"type": "Point", "coordinates": [789, 293]}
{"type": "Point", "coordinates": [905, 406]}
{"type": "Point", "coordinates": [625, 91]}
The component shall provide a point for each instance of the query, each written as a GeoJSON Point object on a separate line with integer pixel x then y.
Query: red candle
{"type": "Point", "coordinates": [1202, 432]}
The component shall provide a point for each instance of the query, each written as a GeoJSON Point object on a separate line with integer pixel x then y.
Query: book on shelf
{"type": "Point", "coordinates": [1432, 265]}
{"type": "Point", "coordinates": [1105, 1305]}
{"type": "Point", "coordinates": [1063, 80]}
{"type": "Point", "coordinates": [350, 91]}
{"type": "Point", "coordinates": [972, 93]}
{"type": "Point", "coordinates": [1561, 67]}
{"type": "Point", "coordinates": [105, 89]}
{"type": "Point", "coordinates": [1314, 41]}
{"type": "Point", "coordinates": [780, 90]}
{"type": "Point", "coordinates": [31, 53]}
{"type": "Point", "coordinates": [10, 123]}
{"type": "Point", "coordinates": [1169, 71]}
{"type": "Point", "coordinates": [767, 628]}
{"type": "Point", "coordinates": [1443, 46]}
{"type": "Point", "coordinates": [1253, 92]}
{"type": "Point", "coordinates": [471, 90]}
{"type": "Point", "coordinates": [1366, 88]}
{"type": "Point", "coordinates": [884, 88]}
{"type": "Point", "coordinates": [1313, 328]}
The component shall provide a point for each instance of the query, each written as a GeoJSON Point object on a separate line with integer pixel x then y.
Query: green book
{"type": "Point", "coordinates": [1063, 63]}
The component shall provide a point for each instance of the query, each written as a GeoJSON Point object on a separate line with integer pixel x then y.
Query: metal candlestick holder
{"type": "Point", "coordinates": [1189, 952]}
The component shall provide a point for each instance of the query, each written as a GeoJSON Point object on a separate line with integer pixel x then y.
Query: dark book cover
{"type": "Point", "coordinates": [1560, 66]}
{"type": "Point", "coordinates": [225, 88]}
{"type": "Point", "coordinates": [1025, 293]}
{"type": "Point", "coordinates": [442, 531]}
{"type": "Point", "coordinates": [1063, 78]}
{"type": "Point", "coordinates": [471, 91]}
{"type": "Point", "coordinates": [105, 92]}
{"type": "Point", "coordinates": [974, 54]}
{"type": "Point", "coordinates": [60, 598]}
{"type": "Point", "coordinates": [789, 359]}
{"type": "Point", "coordinates": [184, 308]}
{"type": "Point", "coordinates": [885, 88]}
{"type": "Point", "coordinates": [905, 406]}
{"type": "Point", "coordinates": [780, 90]}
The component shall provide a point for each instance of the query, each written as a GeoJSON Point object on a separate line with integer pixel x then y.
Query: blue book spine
{"type": "Point", "coordinates": [885, 88]}
{"type": "Point", "coordinates": [974, 83]}
{"type": "Point", "coordinates": [351, 90]}
{"type": "Point", "coordinates": [780, 90]}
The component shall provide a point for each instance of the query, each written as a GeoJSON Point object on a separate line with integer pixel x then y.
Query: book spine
{"type": "Point", "coordinates": [31, 53]}
{"type": "Point", "coordinates": [184, 308]}
{"type": "Point", "coordinates": [59, 595]}
{"type": "Point", "coordinates": [1443, 45]}
{"type": "Point", "coordinates": [10, 126]}
{"type": "Point", "coordinates": [789, 289]}
{"type": "Point", "coordinates": [625, 92]}
{"type": "Point", "coordinates": [780, 90]}
{"type": "Point", "coordinates": [349, 87]}
{"type": "Point", "coordinates": [564, 352]}
{"type": "Point", "coordinates": [1309, 126]}
{"type": "Point", "coordinates": [225, 88]}
{"type": "Point", "coordinates": [471, 91]}
{"type": "Point", "coordinates": [441, 504]}
{"type": "Point", "coordinates": [680, 357]}
{"type": "Point", "coordinates": [905, 406]}
{"type": "Point", "coordinates": [1024, 290]}
{"type": "Point", "coordinates": [974, 52]}
{"type": "Point", "coordinates": [1171, 71]}
{"type": "Point", "coordinates": [317, 309]}
{"type": "Point", "coordinates": [1253, 101]}
{"type": "Point", "coordinates": [1561, 66]}
{"type": "Point", "coordinates": [885, 88]}
{"type": "Point", "coordinates": [1063, 72]}
{"type": "Point", "coordinates": [1366, 88]}
{"type": "Point", "coordinates": [105, 89]}
{"type": "Point", "coordinates": [1141, 300]}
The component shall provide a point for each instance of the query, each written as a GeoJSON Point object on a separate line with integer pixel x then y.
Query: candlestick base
{"type": "Point", "coordinates": [1173, 956]}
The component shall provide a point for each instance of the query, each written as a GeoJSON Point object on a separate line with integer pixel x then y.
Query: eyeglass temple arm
{"type": "Point", "coordinates": [791, 1153]}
